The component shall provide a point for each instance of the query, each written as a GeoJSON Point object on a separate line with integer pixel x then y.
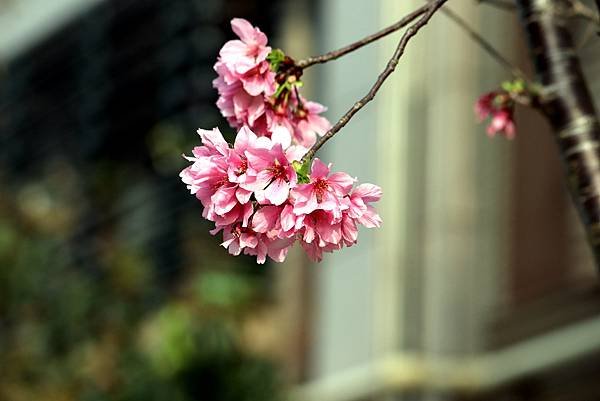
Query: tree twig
{"type": "Point", "coordinates": [431, 8]}
{"type": "Point", "coordinates": [485, 45]}
{"type": "Point", "coordinates": [332, 55]}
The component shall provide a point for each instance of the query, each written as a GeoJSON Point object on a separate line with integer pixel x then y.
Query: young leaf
{"type": "Point", "coordinates": [302, 171]}
{"type": "Point", "coordinates": [275, 58]}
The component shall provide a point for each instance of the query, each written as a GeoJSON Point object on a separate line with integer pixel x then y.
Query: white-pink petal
{"type": "Point", "coordinates": [368, 192]}
{"type": "Point", "coordinates": [278, 191]}
{"type": "Point", "coordinates": [343, 181]}
{"type": "Point", "coordinates": [282, 136]}
{"type": "Point", "coordinates": [319, 169]}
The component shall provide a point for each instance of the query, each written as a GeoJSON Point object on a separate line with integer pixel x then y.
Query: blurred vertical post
{"type": "Point", "coordinates": [345, 282]}
{"type": "Point", "coordinates": [447, 201]}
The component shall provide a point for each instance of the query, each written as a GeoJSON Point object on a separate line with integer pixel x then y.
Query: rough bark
{"type": "Point", "coordinates": [567, 103]}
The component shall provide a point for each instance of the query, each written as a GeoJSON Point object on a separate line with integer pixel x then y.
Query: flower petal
{"type": "Point", "coordinates": [278, 191]}
{"type": "Point", "coordinates": [319, 169]}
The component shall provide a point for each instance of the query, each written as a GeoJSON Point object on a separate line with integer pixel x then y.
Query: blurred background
{"type": "Point", "coordinates": [479, 285]}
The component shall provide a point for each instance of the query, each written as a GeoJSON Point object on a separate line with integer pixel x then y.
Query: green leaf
{"type": "Point", "coordinates": [275, 58]}
{"type": "Point", "coordinates": [517, 86]}
{"type": "Point", "coordinates": [302, 171]}
{"type": "Point", "coordinates": [224, 289]}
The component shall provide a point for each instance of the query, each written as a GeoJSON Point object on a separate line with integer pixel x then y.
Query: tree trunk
{"type": "Point", "coordinates": [567, 103]}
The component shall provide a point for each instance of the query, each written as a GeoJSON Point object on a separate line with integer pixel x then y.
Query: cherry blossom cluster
{"type": "Point", "coordinates": [500, 107]}
{"type": "Point", "coordinates": [258, 88]}
{"type": "Point", "coordinates": [260, 193]}
{"type": "Point", "coordinates": [262, 201]}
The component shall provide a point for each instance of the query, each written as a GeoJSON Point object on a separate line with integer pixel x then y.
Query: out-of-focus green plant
{"type": "Point", "coordinates": [86, 309]}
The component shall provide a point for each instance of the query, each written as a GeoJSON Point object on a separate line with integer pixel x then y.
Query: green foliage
{"type": "Point", "coordinates": [93, 317]}
{"type": "Point", "coordinates": [275, 58]}
{"type": "Point", "coordinates": [302, 171]}
{"type": "Point", "coordinates": [520, 87]}
{"type": "Point", "coordinates": [225, 289]}
{"type": "Point", "coordinates": [517, 86]}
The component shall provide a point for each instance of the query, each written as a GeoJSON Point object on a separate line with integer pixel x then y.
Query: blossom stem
{"type": "Point", "coordinates": [298, 98]}
{"type": "Point", "coordinates": [332, 55]}
{"type": "Point", "coordinates": [431, 8]}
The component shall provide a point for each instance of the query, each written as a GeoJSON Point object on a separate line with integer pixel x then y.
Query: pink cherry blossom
{"type": "Point", "coordinates": [237, 104]}
{"type": "Point", "coordinates": [360, 211]}
{"type": "Point", "coordinates": [500, 107]}
{"type": "Point", "coordinates": [274, 175]}
{"type": "Point", "coordinates": [207, 177]}
{"type": "Point", "coordinates": [236, 238]}
{"type": "Point", "coordinates": [240, 56]}
{"type": "Point", "coordinates": [360, 199]}
{"type": "Point", "coordinates": [245, 77]}
{"type": "Point", "coordinates": [265, 220]}
{"type": "Point", "coordinates": [276, 249]}
{"type": "Point", "coordinates": [324, 191]}
{"type": "Point", "coordinates": [250, 189]}
{"type": "Point", "coordinates": [314, 251]}
{"type": "Point", "coordinates": [308, 123]}
{"type": "Point", "coordinates": [280, 126]}
{"type": "Point", "coordinates": [503, 122]}
{"type": "Point", "coordinates": [323, 227]}
{"type": "Point", "coordinates": [246, 85]}
{"type": "Point", "coordinates": [484, 105]}
{"type": "Point", "coordinates": [238, 162]}
{"type": "Point", "coordinates": [240, 213]}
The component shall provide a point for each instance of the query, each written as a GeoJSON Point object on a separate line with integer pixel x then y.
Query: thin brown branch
{"type": "Point", "coordinates": [364, 41]}
{"type": "Point", "coordinates": [484, 44]}
{"type": "Point", "coordinates": [432, 7]}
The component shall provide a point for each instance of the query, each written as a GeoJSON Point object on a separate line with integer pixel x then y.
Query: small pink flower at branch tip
{"type": "Point", "coordinates": [503, 122]}
{"type": "Point", "coordinates": [500, 108]}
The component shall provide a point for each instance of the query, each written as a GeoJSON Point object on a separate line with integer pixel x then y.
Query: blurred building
{"type": "Point", "coordinates": [480, 284]}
